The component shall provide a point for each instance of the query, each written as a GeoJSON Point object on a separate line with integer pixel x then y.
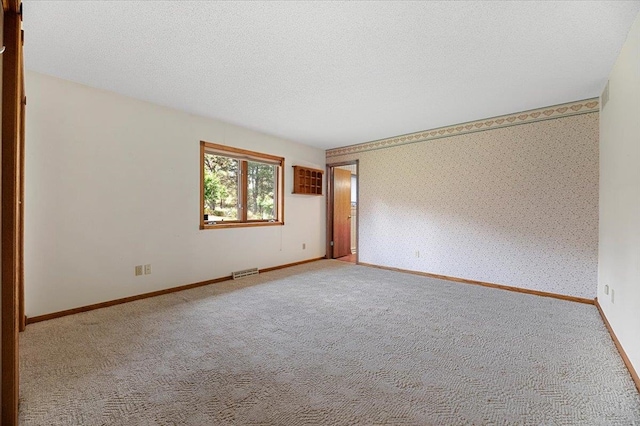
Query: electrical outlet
{"type": "Point", "coordinates": [147, 269]}
{"type": "Point", "coordinates": [611, 295]}
{"type": "Point", "coordinates": [138, 270]}
{"type": "Point", "coordinates": [606, 289]}
{"type": "Point", "coordinates": [304, 246]}
{"type": "Point", "coordinates": [417, 253]}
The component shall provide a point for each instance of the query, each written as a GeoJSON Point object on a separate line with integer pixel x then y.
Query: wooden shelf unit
{"type": "Point", "coordinates": [307, 181]}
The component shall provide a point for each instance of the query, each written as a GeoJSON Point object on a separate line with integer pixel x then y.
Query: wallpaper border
{"type": "Point", "coordinates": [585, 106]}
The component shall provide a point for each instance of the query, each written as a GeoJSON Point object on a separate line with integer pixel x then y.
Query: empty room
{"type": "Point", "coordinates": [320, 213]}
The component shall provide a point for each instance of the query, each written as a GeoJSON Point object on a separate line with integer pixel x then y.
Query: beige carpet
{"type": "Point", "coordinates": [328, 343]}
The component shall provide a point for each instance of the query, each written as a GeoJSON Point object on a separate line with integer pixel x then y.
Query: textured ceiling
{"type": "Point", "coordinates": [331, 74]}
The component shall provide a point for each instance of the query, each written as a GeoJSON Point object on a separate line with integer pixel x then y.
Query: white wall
{"type": "Point", "coordinates": [619, 250]}
{"type": "Point", "coordinates": [113, 182]}
{"type": "Point", "coordinates": [516, 205]}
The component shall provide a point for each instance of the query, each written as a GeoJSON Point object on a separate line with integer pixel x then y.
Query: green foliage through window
{"type": "Point", "coordinates": [261, 187]}
{"type": "Point", "coordinates": [221, 176]}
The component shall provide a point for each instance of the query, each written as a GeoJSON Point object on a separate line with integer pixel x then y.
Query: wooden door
{"type": "Point", "coordinates": [341, 212]}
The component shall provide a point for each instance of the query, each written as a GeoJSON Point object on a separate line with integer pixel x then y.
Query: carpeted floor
{"type": "Point", "coordinates": [328, 343]}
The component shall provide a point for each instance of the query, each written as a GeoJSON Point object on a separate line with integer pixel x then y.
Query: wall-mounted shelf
{"type": "Point", "coordinates": [307, 181]}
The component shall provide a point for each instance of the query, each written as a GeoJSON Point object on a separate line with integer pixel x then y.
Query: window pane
{"type": "Point", "coordinates": [261, 191]}
{"type": "Point", "coordinates": [221, 189]}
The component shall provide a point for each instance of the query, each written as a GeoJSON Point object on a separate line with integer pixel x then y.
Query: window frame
{"type": "Point", "coordinates": [243, 156]}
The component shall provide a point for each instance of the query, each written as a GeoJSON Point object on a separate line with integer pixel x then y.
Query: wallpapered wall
{"type": "Point", "coordinates": [516, 206]}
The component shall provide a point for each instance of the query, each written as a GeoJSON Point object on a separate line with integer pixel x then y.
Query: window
{"type": "Point", "coordinates": [240, 188]}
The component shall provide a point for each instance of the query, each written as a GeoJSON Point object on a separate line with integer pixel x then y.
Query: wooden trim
{"type": "Point", "coordinates": [288, 265]}
{"type": "Point", "coordinates": [46, 317]}
{"type": "Point", "coordinates": [329, 213]}
{"type": "Point", "coordinates": [235, 224]}
{"type": "Point", "coordinates": [231, 150]}
{"type": "Point", "coordinates": [485, 284]}
{"type": "Point", "coordinates": [202, 226]}
{"type": "Point", "coordinates": [21, 146]}
{"type": "Point", "coordinates": [280, 183]}
{"type": "Point", "coordinates": [10, 183]}
{"type": "Point", "coordinates": [623, 354]}
{"type": "Point", "coordinates": [243, 190]}
{"type": "Point", "coordinates": [11, 5]}
{"type": "Point", "coordinates": [32, 320]}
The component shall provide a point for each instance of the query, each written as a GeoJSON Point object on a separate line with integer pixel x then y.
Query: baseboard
{"type": "Point", "coordinates": [623, 354]}
{"type": "Point", "coordinates": [485, 284]}
{"type": "Point", "coordinates": [32, 320]}
{"type": "Point", "coordinates": [288, 265]}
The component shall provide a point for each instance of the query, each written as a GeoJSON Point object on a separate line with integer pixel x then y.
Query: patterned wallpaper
{"type": "Point", "coordinates": [515, 205]}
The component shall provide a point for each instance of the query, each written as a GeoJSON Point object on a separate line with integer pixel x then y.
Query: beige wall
{"type": "Point", "coordinates": [619, 255]}
{"type": "Point", "coordinates": [113, 182]}
{"type": "Point", "coordinates": [513, 205]}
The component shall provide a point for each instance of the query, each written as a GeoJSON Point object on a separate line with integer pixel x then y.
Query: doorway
{"type": "Point", "coordinates": [342, 211]}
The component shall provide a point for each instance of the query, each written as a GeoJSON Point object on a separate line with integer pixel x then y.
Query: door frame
{"type": "Point", "coordinates": [330, 167]}
{"type": "Point", "coordinates": [13, 100]}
